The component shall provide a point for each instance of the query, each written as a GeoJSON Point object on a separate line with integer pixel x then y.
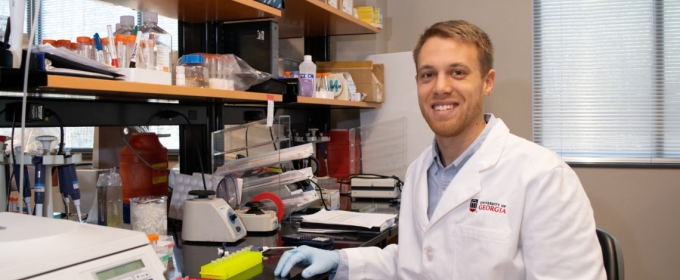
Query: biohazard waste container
{"type": "Point", "coordinates": [138, 178]}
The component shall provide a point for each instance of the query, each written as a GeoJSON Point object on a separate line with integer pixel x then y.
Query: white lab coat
{"type": "Point", "coordinates": [532, 220]}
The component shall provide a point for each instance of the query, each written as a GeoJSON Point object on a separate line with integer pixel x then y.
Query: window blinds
{"type": "Point", "coordinates": [606, 80]}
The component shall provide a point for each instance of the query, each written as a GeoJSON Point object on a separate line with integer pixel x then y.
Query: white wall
{"type": "Point", "coordinates": [636, 205]}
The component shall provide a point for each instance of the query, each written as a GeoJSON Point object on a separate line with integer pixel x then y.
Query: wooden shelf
{"type": "Point", "coordinates": [111, 89]}
{"type": "Point", "coordinates": [316, 18]}
{"type": "Point", "coordinates": [67, 84]}
{"type": "Point", "coordinates": [300, 18]}
{"type": "Point", "coordinates": [197, 11]}
{"type": "Point", "coordinates": [337, 103]}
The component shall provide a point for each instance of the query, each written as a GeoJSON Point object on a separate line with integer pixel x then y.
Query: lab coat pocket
{"type": "Point", "coordinates": [480, 253]}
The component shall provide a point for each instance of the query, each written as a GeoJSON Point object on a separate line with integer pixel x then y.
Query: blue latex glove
{"type": "Point", "coordinates": [319, 261]}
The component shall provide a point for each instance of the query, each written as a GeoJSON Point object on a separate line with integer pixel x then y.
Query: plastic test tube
{"type": "Point", "coordinates": [121, 51]}
{"type": "Point", "coordinates": [129, 47]}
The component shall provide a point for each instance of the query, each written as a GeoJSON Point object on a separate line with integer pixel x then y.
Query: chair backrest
{"type": "Point", "coordinates": [613, 257]}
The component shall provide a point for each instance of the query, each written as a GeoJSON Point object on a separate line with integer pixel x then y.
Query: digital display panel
{"type": "Point", "coordinates": [120, 270]}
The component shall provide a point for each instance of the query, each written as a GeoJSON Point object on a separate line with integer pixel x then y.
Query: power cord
{"type": "Point", "coordinates": [49, 113]}
{"type": "Point", "coordinates": [169, 114]}
{"type": "Point", "coordinates": [321, 194]}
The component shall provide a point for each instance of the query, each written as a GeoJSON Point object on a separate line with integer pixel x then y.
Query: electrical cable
{"type": "Point", "coordinates": [48, 113]}
{"type": "Point", "coordinates": [169, 114]}
{"type": "Point", "coordinates": [320, 194]}
{"type": "Point", "coordinates": [31, 38]}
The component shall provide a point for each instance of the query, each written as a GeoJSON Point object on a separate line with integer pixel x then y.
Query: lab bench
{"type": "Point", "coordinates": [189, 257]}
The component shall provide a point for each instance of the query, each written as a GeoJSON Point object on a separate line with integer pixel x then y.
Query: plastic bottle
{"type": "Point", "coordinates": [162, 42]}
{"type": "Point", "coordinates": [194, 71]}
{"type": "Point", "coordinates": [307, 77]}
{"type": "Point", "coordinates": [127, 26]}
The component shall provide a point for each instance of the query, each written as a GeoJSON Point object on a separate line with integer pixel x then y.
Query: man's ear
{"type": "Point", "coordinates": [489, 82]}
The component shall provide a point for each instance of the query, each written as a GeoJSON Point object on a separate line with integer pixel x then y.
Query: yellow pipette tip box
{"type": "Point", "coordinates": [232, 264]}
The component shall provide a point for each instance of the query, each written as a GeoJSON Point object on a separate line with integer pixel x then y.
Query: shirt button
{"type": "Point", "coordinates": [429, 252]}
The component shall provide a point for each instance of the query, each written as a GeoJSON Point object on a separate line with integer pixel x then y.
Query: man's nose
{"type": "Point", "coordinates": [443, 85]}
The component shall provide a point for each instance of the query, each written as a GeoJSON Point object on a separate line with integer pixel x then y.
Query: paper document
{"type": "Point", "coordinates": [337, 217]}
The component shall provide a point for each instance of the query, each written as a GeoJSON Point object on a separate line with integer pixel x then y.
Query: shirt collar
{"type": "Point", "coordinates": [490, 123]}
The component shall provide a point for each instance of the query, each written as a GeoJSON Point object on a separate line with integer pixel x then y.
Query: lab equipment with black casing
{"type": "Point", "coordinates": [207, 219]}
{"type": "Point", "coordinates": [321, 242]}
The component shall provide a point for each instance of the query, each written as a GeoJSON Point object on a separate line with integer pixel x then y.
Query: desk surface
{"type": "Point", "coordinates": [189, 257]}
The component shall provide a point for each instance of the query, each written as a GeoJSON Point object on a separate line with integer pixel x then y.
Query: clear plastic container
{"type": "Point", "coordinates": [322, 89]}
{"type": "Point", "coordinates": [121, 52]}
{"type": "Point", "coordinates": [84, 46]}
{"type": "Point", "coordinates": [149, 214]}
{"type": "Point", "coordinates": [195, 72]}
{"type": "Point", "coordinates": [307, 77]}
{"type": "Point", "coordinates": [158, 41]}
{"type": "Point", "coordinates": [126, 26]}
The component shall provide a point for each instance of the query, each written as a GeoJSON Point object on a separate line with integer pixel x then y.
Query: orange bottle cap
{"type": "Point", "coordinates": [83, 39]}
{"type": "Point", "coordinates": [64, 43]}
{"type": "Point", "coordinates": [74, 46]}
{"type": "Point", "coordinates": [51, 42]}
{"type": "Point", "coordinates": [152, 237]}
{"type": "Point", "coordinates": [130, 38]}
{"type": "Point", "coordinates": [105, 41]}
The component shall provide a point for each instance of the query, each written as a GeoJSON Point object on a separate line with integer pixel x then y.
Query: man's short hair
{"type": "Point", "coordinates": [461, 31]}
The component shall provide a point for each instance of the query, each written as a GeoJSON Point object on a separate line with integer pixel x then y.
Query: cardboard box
{"type": "Point", "coordinates": [333, 3]}
{"type": "Point", "coordinates": [331, 198]}
{"type": "Point", "coordinates": [347, 6]}
{"type": "Point", "coordinates": [369, 78]}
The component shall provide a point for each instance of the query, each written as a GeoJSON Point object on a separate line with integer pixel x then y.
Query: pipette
{"type": "Point", "coordinates": [27, 183]}
{"type": "Point", "coordinates": [75, 194]}
{"type": "Point", "coordinates": [39, 187]}
{"type": "Point", "coordinates": [65, 181]}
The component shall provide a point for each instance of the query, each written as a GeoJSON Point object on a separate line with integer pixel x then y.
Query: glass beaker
{"type": "Point", "coordinates": [149, 214]}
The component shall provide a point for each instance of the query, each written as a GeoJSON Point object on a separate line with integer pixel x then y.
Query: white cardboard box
{"type": "Point", "coordinates": [348, 6]}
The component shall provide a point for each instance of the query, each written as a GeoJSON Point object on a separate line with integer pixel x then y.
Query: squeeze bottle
{"type": "Point", "coordinates": [307, 77]}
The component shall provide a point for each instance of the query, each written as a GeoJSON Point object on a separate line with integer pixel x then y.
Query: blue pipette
{"type": "Point", "coordinates": [39, 187]}
{"type": "Point", "coordinates": [75, 192]}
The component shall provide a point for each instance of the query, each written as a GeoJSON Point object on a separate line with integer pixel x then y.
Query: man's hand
{"type": "Point", "coordinates": [319, 261]}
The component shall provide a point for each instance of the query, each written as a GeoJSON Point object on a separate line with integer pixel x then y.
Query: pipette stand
{"type": "Point", "coordinates": [50, 162]}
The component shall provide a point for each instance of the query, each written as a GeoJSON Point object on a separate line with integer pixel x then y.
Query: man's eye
{"type": "Point", "coordinates": [427, 75]}
{"type": "Point", "coordinates": [457, 73]}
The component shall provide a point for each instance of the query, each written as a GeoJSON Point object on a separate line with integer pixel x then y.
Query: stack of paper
{"type": "Point", "coordinates": [345, 221]}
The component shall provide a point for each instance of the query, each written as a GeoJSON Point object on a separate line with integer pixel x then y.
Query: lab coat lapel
{"type": "Point", "coordinates": [420, 197]}
{"type": "Point", "coordinates": [467, 182]}
{"type": "Point", "coordinates": [462, 188]}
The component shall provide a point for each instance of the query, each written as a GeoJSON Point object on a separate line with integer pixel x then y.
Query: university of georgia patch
{"type": "Point", "coordinates": [473, 205]}
{"type": "Point", "coordinates": [476, 206]}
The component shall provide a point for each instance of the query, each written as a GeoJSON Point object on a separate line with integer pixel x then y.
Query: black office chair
{"type": "Point", "coordinates": [613, 257]}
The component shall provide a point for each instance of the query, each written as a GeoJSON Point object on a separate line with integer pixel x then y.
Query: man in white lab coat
{"type": "Point", "coordinates": [480, 203]}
